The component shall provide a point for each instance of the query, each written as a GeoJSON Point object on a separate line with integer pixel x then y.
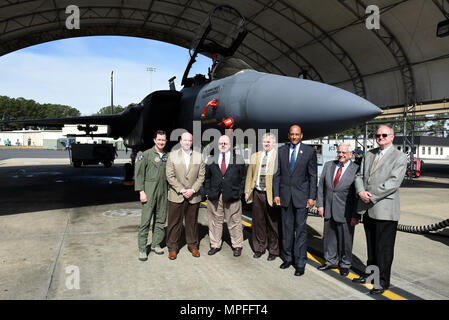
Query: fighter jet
{"type": "Point", "coordinates": [232, 95]}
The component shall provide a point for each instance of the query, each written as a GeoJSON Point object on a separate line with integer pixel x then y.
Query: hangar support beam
{"type": "Point", "coordinates": [358, 8]}
{"type": "Point", "coordinates": [326, 40]}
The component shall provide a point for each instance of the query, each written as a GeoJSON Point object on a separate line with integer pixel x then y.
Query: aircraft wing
{"type": "Point", "coordinates": [99, 119]}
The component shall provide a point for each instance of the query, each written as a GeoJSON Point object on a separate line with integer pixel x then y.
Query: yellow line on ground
{"type": "Point", "coordinates": [246, 224]}
{"type": "Point", "coordinates": [387, 293]}
{"type": "Point", "coordinates": [390, 295]}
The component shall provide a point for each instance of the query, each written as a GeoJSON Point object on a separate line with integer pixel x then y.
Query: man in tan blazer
{"type": "Point", "coordinates": [185, 175]}
{"type": "Point", "coordinates": [259, 191]}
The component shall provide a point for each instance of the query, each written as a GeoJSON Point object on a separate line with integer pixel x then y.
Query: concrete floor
{"type": "Point", "coordinates": [56, 221]}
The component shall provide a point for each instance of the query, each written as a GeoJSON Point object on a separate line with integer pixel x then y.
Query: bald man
{"type": "Point", "coordinates": [295, 190]}
{"type": "Point", "coordinates": [185, 175]}
{"type": "Point", "coordinates": [377, 185]}
{"type": "Point", "coordinates": [224, 185]}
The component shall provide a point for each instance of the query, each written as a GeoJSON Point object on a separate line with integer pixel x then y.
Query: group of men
{"type": "Point", "coordinates": [282, 184]}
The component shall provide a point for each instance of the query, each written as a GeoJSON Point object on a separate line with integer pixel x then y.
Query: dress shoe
{"type": "Point", "coordinates": [271, 257]}
{"type": "Point", "coordinates": [361, 279]}
{"type": "Point", "coordinates": [172, 255]}
{"type": "Point", "coordinates": [237, 252]}
{"type": "Point", "coordinates": [285, 264]}
{"type": "Point", "coordinates": [195, 253]}
{"type": "Point", "coordinates": [213, 251]}
{"type": "Point", "coordinates": [344, 271]}
{"type": "Point", "coordinates": [257, 255]}
{"type": "Point", "coordinates": [326, 267]}
{"type": "Point", "coordinates": [299, 271]}
{"type": "Point", "coordinates": [377, 291]}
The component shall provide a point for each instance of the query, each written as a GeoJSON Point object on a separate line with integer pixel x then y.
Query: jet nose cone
{"type": "Point", "coordinates": [318, 108]}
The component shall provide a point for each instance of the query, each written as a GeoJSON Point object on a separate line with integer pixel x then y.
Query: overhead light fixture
{"type": "Point", "coordinates": [443, 29]}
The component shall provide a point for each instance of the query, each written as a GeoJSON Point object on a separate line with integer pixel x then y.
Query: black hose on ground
{"type": "Point", "coordinates": [424, 229]}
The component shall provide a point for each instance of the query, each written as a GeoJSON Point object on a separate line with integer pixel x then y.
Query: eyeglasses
{"type": "Point", "coordinates": [384, 135]}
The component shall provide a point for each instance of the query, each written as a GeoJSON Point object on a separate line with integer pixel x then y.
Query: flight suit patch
{"type": "Point", "coordinates": [140, 156]}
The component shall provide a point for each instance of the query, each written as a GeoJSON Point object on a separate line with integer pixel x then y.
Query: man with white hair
{"type": "Point", "coordinates": [377, 185]}
{"type": "Point", "coordinates": [224, 185]}
{"type": "Point", "coordinates": [266, 217]}
{"type": "Point", "coordinates": [336, 203]}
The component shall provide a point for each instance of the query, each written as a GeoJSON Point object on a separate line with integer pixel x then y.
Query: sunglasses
{"type": "Point", "coordinates": [384, 135]}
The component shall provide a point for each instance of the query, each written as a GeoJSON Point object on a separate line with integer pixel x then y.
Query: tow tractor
{"type": "Point", "coordinates": [88, 153]}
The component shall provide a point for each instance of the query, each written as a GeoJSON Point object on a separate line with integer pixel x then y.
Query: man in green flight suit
{"type": "Point", "coordinates": [150, 181]}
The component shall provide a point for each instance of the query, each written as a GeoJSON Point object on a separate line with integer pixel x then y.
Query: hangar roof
{"type": "Point", "coordinates": [327, 40]}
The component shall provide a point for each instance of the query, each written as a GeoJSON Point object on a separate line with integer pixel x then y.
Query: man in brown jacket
{"type": "Point", "coordinates": [185, 175]}
{"type": "Point", "coordinates": [259, 191]}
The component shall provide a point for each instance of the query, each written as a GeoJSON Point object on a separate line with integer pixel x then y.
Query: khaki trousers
{"type": "Point", "coordinates": [232, 212]}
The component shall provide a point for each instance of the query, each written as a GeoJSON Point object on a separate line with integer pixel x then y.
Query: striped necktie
{"type": "Point", "coordinates": [263, 172]}
{"type": "Point", "coordinates": [376, 161]}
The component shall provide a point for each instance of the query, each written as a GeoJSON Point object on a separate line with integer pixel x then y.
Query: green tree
{"type": "Point", "coordinates": [107, 110]}
{"type": "Point", "coordinates": [21, 108]}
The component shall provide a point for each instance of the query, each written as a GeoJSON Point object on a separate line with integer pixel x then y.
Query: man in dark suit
{"type": "Point", "coordinates": [224, 185]}
{"type": "Point", "coordinates": [336, 203]}
{"type": "Point", "coordinates": [294, 189]}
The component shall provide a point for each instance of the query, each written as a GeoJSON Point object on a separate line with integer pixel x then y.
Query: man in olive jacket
{"type": "Point", "coordinates": [150, 181]}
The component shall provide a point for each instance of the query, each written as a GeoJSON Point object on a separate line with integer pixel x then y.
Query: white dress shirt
{"type": "Point", "coordinates": [346, 165]}
{"type": "Point", "coordinates": [227, 158]}
{"type": "Point", "coordinates": [187, 157]}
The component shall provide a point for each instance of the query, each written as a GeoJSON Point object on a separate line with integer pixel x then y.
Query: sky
{"type": "Point", "coordinates": [77, 71]}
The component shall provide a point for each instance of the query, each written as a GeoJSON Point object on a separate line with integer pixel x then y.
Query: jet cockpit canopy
{"type": "Point", "coordinates": [219, 36]}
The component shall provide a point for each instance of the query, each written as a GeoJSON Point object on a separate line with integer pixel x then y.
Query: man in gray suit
{"type": "Point", "coordinates": [377, 185]}
{"type": "Point", "coordinates": [336, 204]}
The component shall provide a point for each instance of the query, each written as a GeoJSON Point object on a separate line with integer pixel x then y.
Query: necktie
{"type": "Point", "coordinates": [293, 158]}
{"type": "Point", "coordinates": [223, 164]}
{"type": "Point", "coordinates": [376, 160]}
{"type": "Point", "coordinates": [338, 175]}
{"type": "Point", "coordinates": [263, 172]}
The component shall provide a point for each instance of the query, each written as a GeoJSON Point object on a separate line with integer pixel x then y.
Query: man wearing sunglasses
{"type": "Point", "coordinates": [377, 185]}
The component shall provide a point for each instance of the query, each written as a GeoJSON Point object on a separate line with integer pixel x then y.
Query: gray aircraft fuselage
{"type": "Point", "coordinates": [266, 101]}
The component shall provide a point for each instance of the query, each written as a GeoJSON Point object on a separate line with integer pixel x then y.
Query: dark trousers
{"type": "Point", "coordinates": [176, 213]}
{"type": "Point", "coordinates": [265, 224]}
{"type": "Point", "coordinates": [380, 238]}
{"type": "Point", "coordinates": [294, 235]}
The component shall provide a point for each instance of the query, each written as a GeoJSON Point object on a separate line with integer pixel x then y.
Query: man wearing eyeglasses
{"type": "Point", "coordinates": [336, 204]}
{"type": "Point", "coordinates": [377, 185]}
{"type": "Point", "coordinates": [224, 185]}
